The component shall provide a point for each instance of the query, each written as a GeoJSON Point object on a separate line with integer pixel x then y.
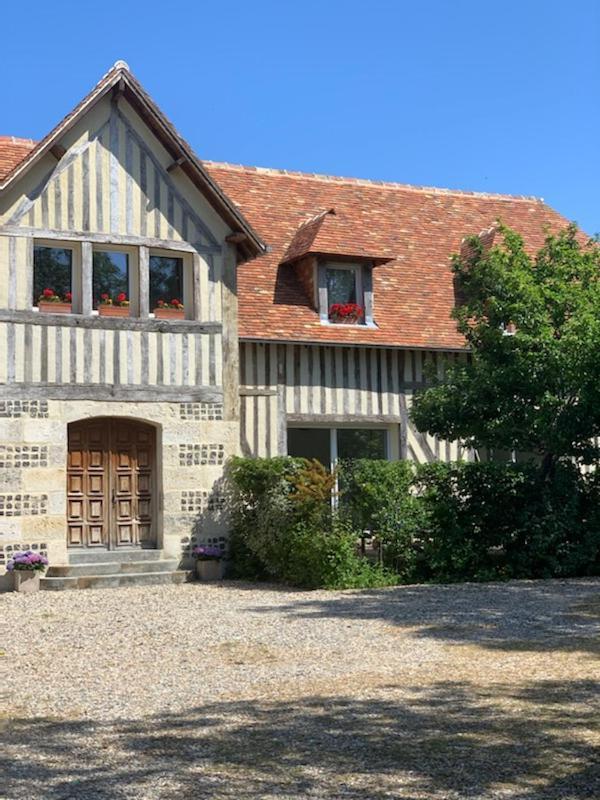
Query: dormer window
{"type": "Point", "coordinates": [345, 296]}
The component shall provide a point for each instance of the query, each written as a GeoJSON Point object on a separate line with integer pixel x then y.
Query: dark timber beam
{"type": "Point", "coordinates": [236, 238]}
{"type": "Point", "coordinates": [58, 151]}
{"type": "Point", "coordinates": [118, 89]}
{"type": "Point", "coordinates": [177, 163]}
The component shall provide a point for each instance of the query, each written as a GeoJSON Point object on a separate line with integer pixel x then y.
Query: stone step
{"type": "Point", "coordinates": [102, 556]}
{"type": "Point", "coordinates": [114, 580]}
{"type": "Point", "coordinates": [112, 568]}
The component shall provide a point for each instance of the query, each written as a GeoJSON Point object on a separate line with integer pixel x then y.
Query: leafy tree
{"type": "Point", "coordinates": [532, 380]}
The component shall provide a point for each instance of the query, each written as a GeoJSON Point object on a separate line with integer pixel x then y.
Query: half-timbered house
{"type": "Point", "coordinates": [118, 410]}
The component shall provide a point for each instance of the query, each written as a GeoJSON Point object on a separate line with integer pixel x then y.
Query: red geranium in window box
{"type": "Point", "coordinates": [346, 313]}
{"type": "Point", "coordinates": [51, 303]}
{"type": "Point", "coordinates": [169, 309]}
{"type": "Point", "coordinates": [119, 307]}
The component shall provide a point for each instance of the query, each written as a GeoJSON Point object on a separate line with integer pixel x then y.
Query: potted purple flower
{"type": "Point", "coordinates": [209, 564]}
{"type": "Point", "coordinates": [26, 568]}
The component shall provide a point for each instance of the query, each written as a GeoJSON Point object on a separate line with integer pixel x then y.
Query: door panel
{"type": "Point", "coordinates": [111, 484]}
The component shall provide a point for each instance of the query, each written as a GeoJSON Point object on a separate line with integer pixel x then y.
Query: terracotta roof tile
{"type": "Point", "coordinates": [420, 227]}
{"type": "Point", "coordinates": [12, 151]}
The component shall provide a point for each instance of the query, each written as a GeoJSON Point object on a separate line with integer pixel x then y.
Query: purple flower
{"type": "Point", "coordinates": [26, 559]}
{"type": "Point", "coordinates": [206, 551]}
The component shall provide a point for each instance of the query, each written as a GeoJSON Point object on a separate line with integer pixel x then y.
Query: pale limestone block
{"type": "Point", "coordinates": [11, 430]}
{"type": "Point", "coordinates": [10, 529]}
{"type": "Point", "coordinates": [172, 546]}
{"type": "Point", "coordinates": [44, 527]}
{"type": "Point", "coordinates": [181, 432]}
{"type": "Point", "coordinates": [45, 430]}
{"type": "Point", "coordinates": [187, 478]}
{"type": "Point", "coordinates": [57, 552]}
{"type": "Point", "coordinates": [57, 502]}
{"type": "Point", "coordinates": [10, 480]}
{"type": "Point", "coordinates": [57, 455]}
{"type": "Point", "coordinates": [44, 480]}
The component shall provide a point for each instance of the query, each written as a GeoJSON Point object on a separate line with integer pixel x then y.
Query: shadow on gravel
{"type": "Point", "coordinates": [537, 616]}
{"type": "Point", "coordinates": [451, 740]}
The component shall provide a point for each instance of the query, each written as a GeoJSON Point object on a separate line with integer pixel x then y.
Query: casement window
{"type": "Point", "coordinates": [345, 294]}
{"type": "Point", "coordinates": [52, 274]}
{"type": "Point", "coordinates": [168, 281]}
{"type": "Point", "coordinates": [330, 445]}
{"type": "Point", "coordinates": [115, 280]}
{"type": "Point", "coordinates": [112, 278]}
{"type": "Point", "coordinates": [343, 285]}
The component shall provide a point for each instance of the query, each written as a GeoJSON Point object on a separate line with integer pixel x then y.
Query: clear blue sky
{"type": "Point", "coordinates": [468, 94]}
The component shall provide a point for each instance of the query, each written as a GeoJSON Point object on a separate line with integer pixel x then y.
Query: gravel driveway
{"type": "Point", "coordinates": [239, 691]}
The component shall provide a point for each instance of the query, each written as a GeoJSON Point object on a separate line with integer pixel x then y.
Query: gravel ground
{"type": "Point", "coordinates": [239, 691]}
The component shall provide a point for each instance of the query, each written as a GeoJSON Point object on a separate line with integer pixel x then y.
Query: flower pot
{"type": "Point", "coordinates": [209, 569]}
{"type": "Point", "coordinates": [27, 580]}
{"type": "Point", "coordinates": [350, 320]}
{"type": "Point", "coordinates": [113, 311]}
{"type": "Point", "coordinates": [169, 313]}
{"type": "Point", "coordinates": [54, 308]}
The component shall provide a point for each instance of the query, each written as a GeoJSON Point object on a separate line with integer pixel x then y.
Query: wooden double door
{"type": "Point", "coordinates": [111, 484]}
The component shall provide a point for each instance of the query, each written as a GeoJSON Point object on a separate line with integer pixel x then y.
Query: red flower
{"type": "Point", "coordinates": [160, 303]}
{"type": "Point", "coordinates": [121, 297]}
{"type": "Point", "coordinates": [68, 297]}
{"type": "Point", "coordinates": [345, 311]}
{"type": "Point", "coordinates": [176, 303]}
{"type": "Point", "coordinates": [104, 296]}
{"type": "Point", "coordinates": [48, 293]}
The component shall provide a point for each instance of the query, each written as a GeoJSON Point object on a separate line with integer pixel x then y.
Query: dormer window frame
{"type": "Point", "coordinates": [363, 271]}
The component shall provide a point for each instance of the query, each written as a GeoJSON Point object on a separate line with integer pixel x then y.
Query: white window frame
{"type": "Point", "coordinates": [75, 248]}
{"type": "Point", "coordinates": [133, 252]}
{"type": "Point", "coordinates": [333, 443]}
{"type": "Point", "coordinates": [133, 263]}
{"type": "Point", "coordinates": [363, 288]}
{"type": "Point", "coordinates": [349, 267]}
{"type": "Point", "coordinates": [355, 425]}
{"type": "Point", "coordinates": [188, 278]}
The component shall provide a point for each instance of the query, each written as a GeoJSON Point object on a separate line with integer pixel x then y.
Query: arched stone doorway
{"type": "Point", "coordinates": [111, 484]}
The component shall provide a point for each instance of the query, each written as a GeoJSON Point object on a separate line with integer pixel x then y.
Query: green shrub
{"type": "Point", "coordinates": [376, 496]}
{"type": "Point", "coordinates": [283, 527]}
{"type": "Point", "coordinates": [436, 522]}
{"type": "Point", "coordinates": [262, 513]}
{"type": "Point", "coordinates": [488, 521]}
{"type": "Point", "coordinates": [330, 560]}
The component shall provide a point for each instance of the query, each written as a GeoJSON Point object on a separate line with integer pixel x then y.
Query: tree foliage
{"type": "Point", "coordinates": [538, 390]}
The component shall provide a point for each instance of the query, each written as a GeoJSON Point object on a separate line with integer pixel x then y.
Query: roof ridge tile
{"type": "Point", "coordinates": [17, 139]}
{"type": "Point", "coordinates": [274, 171]}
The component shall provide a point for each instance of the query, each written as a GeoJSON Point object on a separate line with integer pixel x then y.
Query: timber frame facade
{"type": "Point", "coordinates": [114, 429]}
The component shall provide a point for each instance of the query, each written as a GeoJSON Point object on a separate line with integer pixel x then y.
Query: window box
{"type": "Point", "coordinates": [106, 310]}
{"type": "Point", "coordinates": [169, 313]}
{"type": "Point", "coordinates": [346, 314]}
{"type": "Point", "coordinates": [54, 308]}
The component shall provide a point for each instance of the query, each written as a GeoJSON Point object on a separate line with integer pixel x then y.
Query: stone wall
{"type": "Point", "coordinates": [192, 444]}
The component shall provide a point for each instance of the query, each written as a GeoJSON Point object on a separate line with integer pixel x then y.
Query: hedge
{"type": "Point", "coordinates": [435, 522]}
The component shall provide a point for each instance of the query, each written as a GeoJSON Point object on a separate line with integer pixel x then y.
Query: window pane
{"type": "Point", "coordinates": [52, 268]}
{"type": "Point", "coordinates": [111, 274]}
{"type": "Point", "coordinates": [361, 443]}
{"type": "Point", "coordinates": [310, 443]}
{"type": "Point", "coordinates": [341, 286]}
{"type": "Point", "coordinates": [166, 279]}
